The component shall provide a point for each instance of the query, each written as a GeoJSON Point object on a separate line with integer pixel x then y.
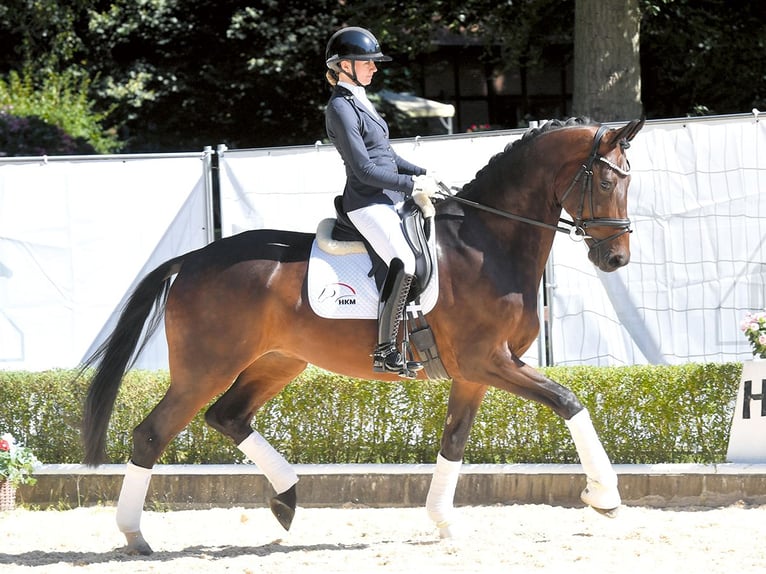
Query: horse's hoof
{"type": "Point", "coordinates": [447, 532]}
{"type": "Point", "coordinates": [136, 545]}
{"type": "Point", "coordinates": [609, 513]}
{"type": "Point", "coordinates": [283, 507]}
{"type": "Point", "coordinates": [604, 499]}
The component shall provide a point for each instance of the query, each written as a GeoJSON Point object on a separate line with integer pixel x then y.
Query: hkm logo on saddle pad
{"type": "Point", "coordinates": [338, 283]}
{"type": "Point", "coordinates": [340, 293]}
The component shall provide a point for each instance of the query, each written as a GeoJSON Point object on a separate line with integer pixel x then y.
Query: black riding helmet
{"type": "Point", "coordinates": [353, 43]}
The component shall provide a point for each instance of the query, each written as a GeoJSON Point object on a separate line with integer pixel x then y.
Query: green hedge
{"type": "Point", "coordinates": [644, 414]}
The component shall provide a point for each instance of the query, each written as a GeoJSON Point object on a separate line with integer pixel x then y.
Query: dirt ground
{"type": "Point", "coordinates": [517, 539]}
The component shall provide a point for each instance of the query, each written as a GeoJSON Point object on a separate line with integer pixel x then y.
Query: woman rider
{"type": "Point", "coordinates": [377, 179]}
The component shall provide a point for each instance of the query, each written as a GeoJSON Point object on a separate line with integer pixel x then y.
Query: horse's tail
{"type": "Point", "coordinates": [114, 355]}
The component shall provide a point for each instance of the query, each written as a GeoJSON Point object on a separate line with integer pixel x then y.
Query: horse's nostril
{"type": "Point", "coordinates": [618, 260]}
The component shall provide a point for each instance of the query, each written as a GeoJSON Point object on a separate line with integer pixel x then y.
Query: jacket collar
{"type": "Point", "coordinates": [344, 92]}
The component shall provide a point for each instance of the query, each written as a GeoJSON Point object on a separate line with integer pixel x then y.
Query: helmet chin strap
{"type": "Point", "coordinates": [353, 73]}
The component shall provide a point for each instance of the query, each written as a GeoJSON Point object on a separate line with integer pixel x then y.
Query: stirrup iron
{"type": "Point", "coordinates": [410, 364]}
{"type": "Point", "coordinates": [387, 359]}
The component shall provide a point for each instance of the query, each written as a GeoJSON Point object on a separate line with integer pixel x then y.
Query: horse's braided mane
{"type": "Point", "coordinates": [529, 135]}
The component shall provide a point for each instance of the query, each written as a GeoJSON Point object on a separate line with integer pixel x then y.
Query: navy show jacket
{"type": "Point", "coordinates": [371, 164]}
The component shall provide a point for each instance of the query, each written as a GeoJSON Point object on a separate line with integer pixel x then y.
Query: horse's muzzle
{"type": "Point", "coordinates": [609, 256]}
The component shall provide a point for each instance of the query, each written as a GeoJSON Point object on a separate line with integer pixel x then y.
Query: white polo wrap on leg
{"type": "Point", "coordinates": [130, 505]}
{"type": "Point", "coordinates": [601, 490]}
{"type": "Point", "coordinates": [273, 465]}
{"type": "Point", "coordinates": [441, 494]}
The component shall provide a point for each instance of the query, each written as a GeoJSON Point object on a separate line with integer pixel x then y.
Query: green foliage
{"type": "Point", "coordinates": [53, 116]}
{"type": "Point", "coordinates": [42, 410]}
{"type": "Point", "coordinates": [203, 72]}
{"type": "Point", "coordinates": [17, 462]}
{"type": "Point", "coordinates": [41, 32]}
{"type": "Point", "coordinates": [31, 136]}
{"type": "Point", "coordinates": [185, 74]}
{"type": "Point", "coordinates": [322, 417]}
{"type": "Point", "coordinates": [703, 57]}
{"type": "Point", "coordinates": [644, 414]}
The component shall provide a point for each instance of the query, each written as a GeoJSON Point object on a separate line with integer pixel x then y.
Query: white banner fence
{"type": "Point", "coordinates": [77, 233]}
{"type": "Point", "coordinates": [76, 236]}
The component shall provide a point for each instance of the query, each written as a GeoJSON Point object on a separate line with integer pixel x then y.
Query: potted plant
{"type": "Point", "coordinates": [17, 463]}
{"type": "Point", "coordinates": [754, 327]}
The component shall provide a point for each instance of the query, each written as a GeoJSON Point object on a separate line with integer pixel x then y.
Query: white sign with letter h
{"type": "Point", "coordinates": [747, 441]}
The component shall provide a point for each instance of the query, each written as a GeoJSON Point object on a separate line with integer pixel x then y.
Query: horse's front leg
{"type": "Point", "coordinates": [601, 491]}
{"type": "Point", "coordinates": [464, 402]}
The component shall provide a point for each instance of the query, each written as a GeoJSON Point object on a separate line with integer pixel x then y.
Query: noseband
{"type": "Point", "coordinates": [576, 229]}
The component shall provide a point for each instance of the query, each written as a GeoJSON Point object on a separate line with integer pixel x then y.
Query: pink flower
{"type": "Point", "coordinates": [754, 327]}
{"type": "Point", "coordinates": [4, 445]}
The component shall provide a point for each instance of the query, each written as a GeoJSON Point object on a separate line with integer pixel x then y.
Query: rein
{"type": "Point", "coordinates": [575, 229]}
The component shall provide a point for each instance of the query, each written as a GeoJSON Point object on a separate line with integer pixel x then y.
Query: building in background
{"type": "Point", "coordinates": [484, 96]}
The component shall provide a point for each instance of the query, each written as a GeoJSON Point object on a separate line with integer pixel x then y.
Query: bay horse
{"type": "Point", "coordinates": [238, 323]}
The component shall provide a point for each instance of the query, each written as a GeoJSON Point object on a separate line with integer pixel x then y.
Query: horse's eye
{"type": "Point", "coordinates": [605, 185]}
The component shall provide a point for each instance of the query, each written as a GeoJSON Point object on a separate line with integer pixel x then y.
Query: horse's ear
{"type": "Point", "coordinates": [633, 128]}
{"type": "Point", "coordinates": [626, 133]}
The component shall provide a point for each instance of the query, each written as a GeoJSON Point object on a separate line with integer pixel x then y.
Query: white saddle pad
{"type": "Point", "coordinates": [338, 285]}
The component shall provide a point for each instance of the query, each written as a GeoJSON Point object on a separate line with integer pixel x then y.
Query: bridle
{"type": "Point", "coordinates": [577, 229]}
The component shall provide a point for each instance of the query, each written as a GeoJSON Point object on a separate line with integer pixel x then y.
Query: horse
{"type": "Point", "coordinates": [238, 324]}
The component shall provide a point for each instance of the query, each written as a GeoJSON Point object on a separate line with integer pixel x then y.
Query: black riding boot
{"type": "Point", "coordinates": [393, 298]}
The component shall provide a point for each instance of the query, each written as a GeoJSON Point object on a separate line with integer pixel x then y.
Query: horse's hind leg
{"type": "Point", "coordinates": [167, 419]}
{"type": "Point", "coordinates": [464, 402]}
{"type": "Point", "coordinates": [232, 415]}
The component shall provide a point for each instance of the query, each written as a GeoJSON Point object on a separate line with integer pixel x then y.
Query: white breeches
{"type": "Point", "coordinates": [380, 224]}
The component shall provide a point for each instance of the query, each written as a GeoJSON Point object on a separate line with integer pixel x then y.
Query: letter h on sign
{"type": "Point", "coordinates": [750, 396]}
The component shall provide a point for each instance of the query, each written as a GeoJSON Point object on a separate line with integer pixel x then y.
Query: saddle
{"type": "Point", "coordinates": [417, 231]}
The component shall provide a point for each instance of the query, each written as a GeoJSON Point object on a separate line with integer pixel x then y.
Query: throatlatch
{"type": "Point", "coordinates": [393, 297]}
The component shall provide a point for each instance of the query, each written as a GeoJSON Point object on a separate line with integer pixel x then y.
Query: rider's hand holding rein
{"type": "Point", "coordinates": [425, 187]}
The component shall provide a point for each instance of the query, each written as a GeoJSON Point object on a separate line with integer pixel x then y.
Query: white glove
{"type": "Point", "coordinates": [437, 176]}
{"type": "Point", "coordinates": [423, 189]}
{"type": "Point", "coordinates": [443, 187]}
{"type": "Point", "coordinates": [425, 184]}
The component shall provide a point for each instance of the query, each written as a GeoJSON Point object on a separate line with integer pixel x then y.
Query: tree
{"type": "Point", "coordinates": [45, 98]}
{"type": "Point", "coordinates": [607, 68]}
{"type": "Point", "coordinates": [195, 72]}
{"type": "Point", "coordinates": [40, 34]}
{"type": "Point", "coordinates": [180, 74]}
{"type": "Point", "coordinates": [703, 57]}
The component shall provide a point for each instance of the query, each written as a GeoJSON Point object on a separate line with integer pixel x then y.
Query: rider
{"type": "Point", "coordinates": [377, 179]}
